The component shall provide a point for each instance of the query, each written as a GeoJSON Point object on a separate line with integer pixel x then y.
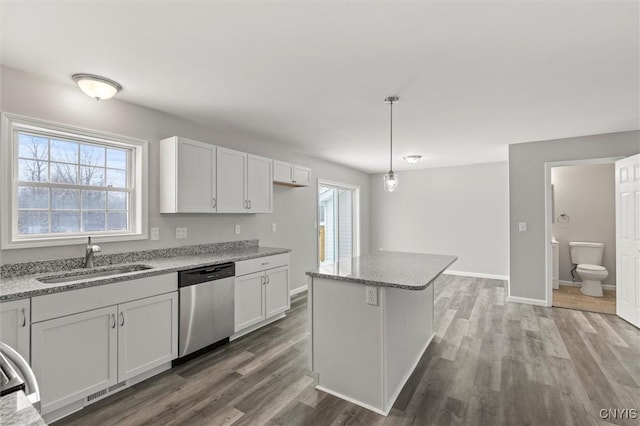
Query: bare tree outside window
{"type": "Point", "coordinates": [70, 186]}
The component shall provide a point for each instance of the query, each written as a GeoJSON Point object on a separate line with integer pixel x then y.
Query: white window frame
{"type": "Point", "coordinates": [138, 166]}
{"type": "Point", "coordinates": [355, 214]}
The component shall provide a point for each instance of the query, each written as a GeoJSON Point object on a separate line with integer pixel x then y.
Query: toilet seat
{"type": "Point", "coordinates": [591, 268]}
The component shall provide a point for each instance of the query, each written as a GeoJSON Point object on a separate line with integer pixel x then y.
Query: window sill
{"type": "Point", "coordinates": [52, 241]}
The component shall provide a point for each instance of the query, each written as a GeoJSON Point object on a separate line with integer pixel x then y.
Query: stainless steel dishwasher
{"type": "Point", "coordinates": [206, 308]}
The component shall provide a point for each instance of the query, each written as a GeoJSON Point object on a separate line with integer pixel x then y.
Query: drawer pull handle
{"type": "Point", "coordinates": [264, 263]}
{"type": "Point", "coordinates": [24, 317]}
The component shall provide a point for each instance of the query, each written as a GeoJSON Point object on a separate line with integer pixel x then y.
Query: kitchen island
{"type": "Point", "coordinates": [371, 319]}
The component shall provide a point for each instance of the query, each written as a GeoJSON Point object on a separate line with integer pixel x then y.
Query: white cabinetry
{"type": "Point", "coordinates": [244, 182]}
{"type": "Point", "coordinates": [261, 290]}
{"type": "Point", "coordinates": [290, 174]}
{"type": "Point", "coordinates": [187, 176]}
{"type": "Point", "coordinates": [15, 325]}
{"type": "Point", "coordinates": [88, 340]}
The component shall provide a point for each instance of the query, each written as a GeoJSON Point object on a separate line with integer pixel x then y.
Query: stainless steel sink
{"type": "Point", "coordinates": [95, 274]}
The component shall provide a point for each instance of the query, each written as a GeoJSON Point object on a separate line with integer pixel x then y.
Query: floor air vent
{"type": "Point", "coordinates": [97, 395]}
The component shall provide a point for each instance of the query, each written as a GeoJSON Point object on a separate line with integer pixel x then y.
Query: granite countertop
{"type": "Point", "coordinates": [20, 287]}
{"type": "Point", "coordinates": [15, 409]}
{"type": "Point", "coordinates": [409, 271]}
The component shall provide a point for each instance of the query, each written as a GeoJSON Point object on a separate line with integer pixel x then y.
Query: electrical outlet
{"type": "Point", "coordinates": [237, 229]}
{"type": "Point", "coordinates": [522, 226]}
{"type": "Point", "coordinates": [155, 234]}
{"type": "Point", "coordinates": [371, 296]}
{"type": "Point", "coordinates": [181, 233]}
{"type": "Point", "coordinates": [273, 227]}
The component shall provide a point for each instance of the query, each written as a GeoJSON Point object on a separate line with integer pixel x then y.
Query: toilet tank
{"type": "Point", "coordinates": [585, 252]}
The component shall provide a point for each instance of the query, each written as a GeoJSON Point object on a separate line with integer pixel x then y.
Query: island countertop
{"type": "Point", "coordinates": [410, 271]}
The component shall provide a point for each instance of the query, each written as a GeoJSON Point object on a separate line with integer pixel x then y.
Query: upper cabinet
{"type": "Point", "coordinates": [197, 177]}
{"type": "Point", "coordinates": [244, 182]}
{"type": "Point", "coordinates": [187, 176]}
{"type": "Point", "coordinates": [290, 174]}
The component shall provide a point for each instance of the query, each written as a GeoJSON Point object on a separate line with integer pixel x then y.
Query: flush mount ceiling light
{"type": "Point", "coordinates": [412, 159]}
{"type": "Point", "coordinates": [391, 179]}
{"type": "Point", "coordinates": [99, 88]}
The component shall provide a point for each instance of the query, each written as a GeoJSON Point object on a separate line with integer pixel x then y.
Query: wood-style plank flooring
{"type": "Point", "coordinates": [572, 298]}
{"type": "Point", "coordinates": [491, 363]}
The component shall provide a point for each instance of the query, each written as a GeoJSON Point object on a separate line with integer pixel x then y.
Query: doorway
{"type": "Point", "coordinates": [338, 228]}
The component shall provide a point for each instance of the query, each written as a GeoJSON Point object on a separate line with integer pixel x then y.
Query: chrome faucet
{"type": "Point", "coordinates": [88, 255]}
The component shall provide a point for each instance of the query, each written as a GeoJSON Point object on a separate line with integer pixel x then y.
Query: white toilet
{"type": "Point", "coordinates": [588, 257]}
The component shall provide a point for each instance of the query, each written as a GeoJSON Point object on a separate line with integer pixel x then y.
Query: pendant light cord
{"type": "Point", "coordinates": [391, 136]}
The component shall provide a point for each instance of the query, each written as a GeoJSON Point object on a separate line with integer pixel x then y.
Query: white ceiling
{"type": "Point", "coordinates": [472, 77]}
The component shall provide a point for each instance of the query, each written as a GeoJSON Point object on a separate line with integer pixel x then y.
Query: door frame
{"type": "Point", "coordinates": [548, 215]}
{"type": "Point", "coordinates": [355, 213]}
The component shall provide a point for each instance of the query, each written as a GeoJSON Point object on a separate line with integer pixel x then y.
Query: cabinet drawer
{"type": "Point", "coordinates": [84, 299]}
{"type": "Point", "coordinates": [244, 267]}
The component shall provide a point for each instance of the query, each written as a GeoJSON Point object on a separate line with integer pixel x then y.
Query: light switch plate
{"type": "Point", "coordinates": [155, 234]}
{"type": "Point", "coordinates": [274, 228]}
{"type": "Point", "coordinates": [522, 226]}
{"type": "Point", "coordinates": [181, 233]}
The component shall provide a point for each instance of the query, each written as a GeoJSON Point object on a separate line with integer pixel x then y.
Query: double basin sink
{"type": "Point", "coordinates": [65, 278]}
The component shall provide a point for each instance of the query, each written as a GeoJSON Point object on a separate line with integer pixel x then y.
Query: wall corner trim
{"type": "Point", "coordinates": [526, 301]}
{"type": "Point", "coordinates": [477, 275]}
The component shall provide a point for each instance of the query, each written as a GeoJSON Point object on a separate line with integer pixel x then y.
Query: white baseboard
{"type": "Point", "coordinates": [579, 284]}
{"type": "Point", "coordinates": [298, 290]}
{"type": "Point", "coordinates": [477, 275]}
{"type": "Point", "coordinates": [353, 401]}
{"type": "Point", "coordinates": [526, 301]}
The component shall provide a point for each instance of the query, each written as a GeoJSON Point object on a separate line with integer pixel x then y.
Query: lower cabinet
{"type": "Point", "coordinates": [15, 325]}
{"type": "Point", "coordinates": [82, 355]}
{"type": "Point", "coordinates": [260, 295]}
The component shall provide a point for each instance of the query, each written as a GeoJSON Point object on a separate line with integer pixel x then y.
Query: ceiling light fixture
{"type": "Point", "coordinates": [99, 88]}
{"type": "Point", "coordinates": [391, 179]}
{"type": "Point", "coordinates": [412, 159]}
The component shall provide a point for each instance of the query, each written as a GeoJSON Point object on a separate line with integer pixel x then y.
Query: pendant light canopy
{"type": "Point", "coordinates": [97, 87]}
{"type": "Point", "coordinates": [391, 179]}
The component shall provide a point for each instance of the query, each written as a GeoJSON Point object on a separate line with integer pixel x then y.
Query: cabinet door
{"type": "Point", "coordinates": [249, 301]}
{"type": "Point", "coordinates": [277, 291]}
{"type": "Point", "coordinates": [15, 326]}
{"type": "Point", "coordinates": [147, 334]}
{"type": "Point", "coordinates": [259, 184]}
{"type": "Point", "coordinates": [282, 172]}
{"type": "Point", "coordinates": [196, 177]}
{"type": "Point", "coordinates": [75, 356]}
{"type": "Point", "coordinates": [231, 172]}
{"type": "Point", "coordinates": [301, 176]}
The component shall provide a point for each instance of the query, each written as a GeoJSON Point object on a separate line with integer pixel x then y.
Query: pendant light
{"type": "Point", "coordinates": [391, 178]}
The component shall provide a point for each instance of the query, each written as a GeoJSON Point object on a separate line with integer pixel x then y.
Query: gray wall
{"type": "Point", "coordinates": [459, 210]}
{"type": "Point", "coordinates": [586, 193]}
{"type": "Point", "coordinates": [526, 199]}
{"type": "Point", "coordinates": [294, 208]}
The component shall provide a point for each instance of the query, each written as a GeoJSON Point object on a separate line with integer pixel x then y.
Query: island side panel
{"type": "Point", "coordinates": [347, 342]}
{"type": "Point", "coordinates": [408, 330]}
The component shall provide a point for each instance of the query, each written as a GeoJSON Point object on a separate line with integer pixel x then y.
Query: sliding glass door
{"type": "Point", "coordinates": [337, 235]}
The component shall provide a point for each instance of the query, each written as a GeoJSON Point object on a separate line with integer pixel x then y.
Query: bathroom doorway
{"type": "Point", "coordinates": [581, 229]}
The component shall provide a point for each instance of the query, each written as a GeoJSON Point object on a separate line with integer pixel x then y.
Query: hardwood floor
{"type": "Point", "coordinates": [572, 298]}
{"type": "Point", "coordinates": [491, 363]}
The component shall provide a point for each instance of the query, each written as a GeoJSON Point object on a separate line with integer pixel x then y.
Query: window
{"type": "Point", "coordinates": [64, 184]}
{"type": "Point", "coordinates": [338, 221]}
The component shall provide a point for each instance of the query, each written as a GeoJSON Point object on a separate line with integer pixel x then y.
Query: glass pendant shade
{"type": "Point", "coordinates": [391, 180]}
